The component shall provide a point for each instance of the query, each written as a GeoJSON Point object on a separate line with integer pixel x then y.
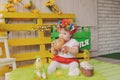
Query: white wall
{"type": "Point", "coordinates": [108, 27]}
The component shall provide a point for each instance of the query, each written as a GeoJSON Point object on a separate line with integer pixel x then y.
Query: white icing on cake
{"type": "Point", "coordinates": [86, 65]}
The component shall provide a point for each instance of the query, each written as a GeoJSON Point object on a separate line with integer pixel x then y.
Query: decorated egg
{"type": "Point", "coordinates": [58, 73]}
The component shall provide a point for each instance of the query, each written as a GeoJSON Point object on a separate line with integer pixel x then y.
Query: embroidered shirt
{"type": "Point", "coordinates": [70, 43]}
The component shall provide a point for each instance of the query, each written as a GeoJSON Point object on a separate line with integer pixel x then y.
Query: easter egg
{"type": "Point", "coordinates": [58, 73]}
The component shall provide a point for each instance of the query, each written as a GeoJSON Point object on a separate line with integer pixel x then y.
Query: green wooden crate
{"type": "Point", "coordinates": [83, 37]}
{"type": "Point", "coordinates": [54, 33]}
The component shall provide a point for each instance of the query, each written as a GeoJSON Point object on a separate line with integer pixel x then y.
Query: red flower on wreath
{"type": "Point", "coordinates": [65, 22]}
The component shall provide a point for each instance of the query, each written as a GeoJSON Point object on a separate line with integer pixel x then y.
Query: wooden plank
{"type": "Point", "coordinates": [20, 15]}
{"type": "Point", "coordinates": [34, 15]}
{"type": "Point", "coordinates": [17, 27]}
{"type": "Point", "coordinates": [30, 55]}
{"type": "Point", "coordinates": [52, 15]}
{"type": "Point", "coordinates": [29, 41]}
{"type": "Point", "coordinates": [79, 55]}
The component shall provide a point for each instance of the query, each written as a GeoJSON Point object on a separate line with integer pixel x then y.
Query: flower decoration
{"type": "Point", "coordinates": [10, 6]}
{"type": "Point", "coordinates": [66, 23]}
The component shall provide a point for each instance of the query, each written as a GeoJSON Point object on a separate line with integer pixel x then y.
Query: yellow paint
{"type": "Point", "coordinates": [24, 15]}
{"type": "Point", "coordinates": [19, 15]}
{"type": "Point", "coordinates": [3, 55]}
{"type": "Point", "coordinates": [17, 27]}
{"type": "Point", "coordinates": [30, 55]}
{"type": "Point", "coordinates": [2, 33]}
{"type": "Point", "coordinates": [3, 70]}
{"type": "Point", "coordinates": [29, 41]}
{"type": "Point", "coordinates": [34, 15]}
{"type": "Point", "coordinates": [41, 40]}
{"type": "Point", "coordinates": [86, 54]}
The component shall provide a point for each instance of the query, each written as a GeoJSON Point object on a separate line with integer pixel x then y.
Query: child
{"type": "Point", "coordinates": [65, 57]}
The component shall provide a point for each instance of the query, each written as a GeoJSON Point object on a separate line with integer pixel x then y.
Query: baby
{"type": "Point", "coordinates": [65, 57]}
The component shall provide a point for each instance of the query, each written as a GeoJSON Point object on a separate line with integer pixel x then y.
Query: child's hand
{"type": "Point", "coordinates": [65, 49]}
{"type": "Point", "coordinates": [52, 44]}
{"type": "Point", "coordinates": [53, 51]}
{"type": "Point", "coordinates": [58, 43]}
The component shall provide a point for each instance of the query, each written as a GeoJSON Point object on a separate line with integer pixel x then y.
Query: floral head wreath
{"type": "Point", "coordinates": [66, 23]}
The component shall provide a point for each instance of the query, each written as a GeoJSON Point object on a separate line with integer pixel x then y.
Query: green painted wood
{"type": "Point", "coordinates": [83, 37]}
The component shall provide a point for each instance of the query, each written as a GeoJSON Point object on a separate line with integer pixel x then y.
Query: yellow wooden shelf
{"type": "Point", "coordinates": [29, 41]}
{"type": "Point", "coordinates": [41, 40]}
{"type": "Point", "coordinates": [29, 55]}
{"type": "Point", "coordinates": [17, 27]}
{"type": "Point", "coordinates": [36, 15]}
{"type": "Point", "coordinates": [40, 17]}
{"type": "Point", "coordinates": [19, 15]}
{"type": "Point", "coordinates": [51, 15]}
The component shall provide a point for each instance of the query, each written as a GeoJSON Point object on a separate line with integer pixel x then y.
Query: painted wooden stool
{"type": "Point", "coordinates": [7, 60]}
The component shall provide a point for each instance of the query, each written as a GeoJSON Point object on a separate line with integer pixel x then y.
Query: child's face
{"type": "Point", "coordinates": [64, 34]}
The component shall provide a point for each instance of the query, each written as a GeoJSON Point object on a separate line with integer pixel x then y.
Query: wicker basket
{"type": "Point", "coordinates": [87, 69]}
{"type": "Point", "coordinates": [87, 72]}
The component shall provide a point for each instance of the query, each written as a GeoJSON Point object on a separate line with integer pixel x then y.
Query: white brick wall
{"type": "Point", "coordinates": [108, 26]}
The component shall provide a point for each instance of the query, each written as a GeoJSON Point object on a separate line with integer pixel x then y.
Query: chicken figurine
{"type": "Point", "coordinates": [39, 69]}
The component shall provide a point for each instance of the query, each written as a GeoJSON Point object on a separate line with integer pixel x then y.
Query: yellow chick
{"type": "Point", "coordinates": [39, 68]}
{"type": "Point", "coordinates": [38, 64]}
